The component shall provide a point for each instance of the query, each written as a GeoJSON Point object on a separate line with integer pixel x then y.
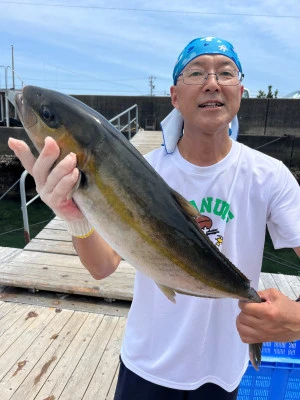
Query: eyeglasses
{"type": "Point", "coordinates": [199, 77]}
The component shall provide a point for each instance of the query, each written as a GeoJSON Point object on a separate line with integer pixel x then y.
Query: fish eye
{"type": "Point", "coordinates": [48, 116]}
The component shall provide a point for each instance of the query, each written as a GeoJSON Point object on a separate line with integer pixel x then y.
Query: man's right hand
{"type": "Point", "coordinates": [53, 185]}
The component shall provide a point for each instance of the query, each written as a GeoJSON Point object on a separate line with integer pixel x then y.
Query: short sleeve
{"type": "Point", "coordinates": [284, 209]}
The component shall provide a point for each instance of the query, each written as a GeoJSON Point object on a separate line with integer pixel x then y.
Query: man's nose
{"type": "Point", "coordinates": [213, 81]}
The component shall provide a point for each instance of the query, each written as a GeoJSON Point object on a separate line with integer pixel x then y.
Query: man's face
{"type": "Point", "coordinates": [209, 107]}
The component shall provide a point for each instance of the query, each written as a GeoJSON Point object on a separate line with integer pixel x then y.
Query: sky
{"type": "Point", "coordinates": [119, 47]}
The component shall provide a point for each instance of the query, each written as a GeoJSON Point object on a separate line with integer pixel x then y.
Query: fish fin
{"type": "Point", "coordinates": [195, 295]}
{"type": "Point", "coordinates": [168, 292]}
{"type": "Point", "coordinates": [188, 207]}
{"type": "Point", "coordinates": [255, 354]}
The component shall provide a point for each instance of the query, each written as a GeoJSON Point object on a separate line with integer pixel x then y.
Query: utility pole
{"type": "Point", "coordinates": [151, 79]}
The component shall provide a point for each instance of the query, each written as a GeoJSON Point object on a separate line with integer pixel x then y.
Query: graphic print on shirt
{"type": "Point", "coordinates": [219, 208]}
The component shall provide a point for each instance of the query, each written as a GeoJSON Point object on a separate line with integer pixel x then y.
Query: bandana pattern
{"type": "Point", "coordinates": [205, 45]}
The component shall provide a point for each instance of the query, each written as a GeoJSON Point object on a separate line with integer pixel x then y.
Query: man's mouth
{"type": "Point", "coordinates": [211, 104]}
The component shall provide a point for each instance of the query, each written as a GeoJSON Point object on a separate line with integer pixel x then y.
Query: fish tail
{"type": "Point", "coordinates": [255, 354]}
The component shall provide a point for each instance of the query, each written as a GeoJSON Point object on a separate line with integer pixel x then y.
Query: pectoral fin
{"type": "Point", "coordinates": [168, 292]}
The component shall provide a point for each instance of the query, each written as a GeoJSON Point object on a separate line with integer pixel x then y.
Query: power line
{"type": "Point", "coordinates": [148, 10]}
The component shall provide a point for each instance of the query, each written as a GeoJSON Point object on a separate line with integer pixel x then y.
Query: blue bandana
{"type": "Point", "coordinates": [205, 45]}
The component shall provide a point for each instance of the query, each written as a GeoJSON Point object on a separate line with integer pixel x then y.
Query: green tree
{"type": "Point", "coordinates": [269, 95]}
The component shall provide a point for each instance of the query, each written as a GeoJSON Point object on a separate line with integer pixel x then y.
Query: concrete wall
{"type": "Point", "coordinates": [270, 117]}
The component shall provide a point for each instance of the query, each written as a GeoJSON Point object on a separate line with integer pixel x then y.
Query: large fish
{"type": "Point", "coordinates": [146, 222]}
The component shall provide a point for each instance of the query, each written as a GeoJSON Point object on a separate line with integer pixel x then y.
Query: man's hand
{"type": "Point", "coordinates": [275, 320]}
{"type": "Point", "coordinates": [54, 185]}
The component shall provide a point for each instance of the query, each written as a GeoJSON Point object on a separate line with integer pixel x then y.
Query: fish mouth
{"type": "Point", "coordinates": [27, 116]}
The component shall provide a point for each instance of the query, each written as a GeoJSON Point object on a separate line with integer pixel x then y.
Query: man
{"type": "Point", "coordinates": [192, 350]}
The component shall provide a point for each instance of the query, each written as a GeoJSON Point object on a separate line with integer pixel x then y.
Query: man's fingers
{"type": "Point", "coordinates": [23, 152]}
{"type": "Point", "coordinates": [45, 161]}
{"type": "Point", "coordinates": [64, 169]}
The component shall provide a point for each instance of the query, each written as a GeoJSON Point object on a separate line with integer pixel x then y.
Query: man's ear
{"type": "Point", "coordinates": [174, 96]}
{"type": "Point", "coordinates": [242, 90]}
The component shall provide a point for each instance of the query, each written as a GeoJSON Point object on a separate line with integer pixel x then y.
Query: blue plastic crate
{"type": "Point", "coordinates": [273, 381]}
{"type": "Point", "coordinates": [290, 350]}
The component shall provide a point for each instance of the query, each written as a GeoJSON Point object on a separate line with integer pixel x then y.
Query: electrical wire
{"type": "Point", "coordinates": [148, 10]}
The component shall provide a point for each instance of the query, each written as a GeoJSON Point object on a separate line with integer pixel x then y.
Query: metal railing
{"type": "Point", "coordinates": [25, 204]}
{"type": "Point", "coordinates": [8, 87]}
{"type": "Point", "coordinates": [129, 121]}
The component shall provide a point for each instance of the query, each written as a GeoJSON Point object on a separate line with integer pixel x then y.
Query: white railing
{"type": "Point", "coordinates": [129, 121]}
{"type": "Point", "coordinates": [9, 88]}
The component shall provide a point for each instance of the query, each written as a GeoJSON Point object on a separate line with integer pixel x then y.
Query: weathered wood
{"type": "Point", "coordinates": [30, 356]}
{"type": "Point", "coordinates": [65, 273]}
{"type": "Point", "coordinates": [25, 332]}
{"type": "Point", "coordinates": [67, 365]}
{"type": "Point", "coordinates": [268, 280]}
{"type": "Point", "coordinates": [54, 234]}
{"type": "Point", "coordinates": [51, 246]}
{"type": "Point", "coordinates": [294, 282]}
{"type": "Point", "coordinates": [261, 285]}
{"type": "Point", "coordinates": [106, 370]}
{"type": "Point", "coordinates": [284, 286]}
{"type": "Point", "coordinates": [7, 254]}
{"type": "Point", "coordinates": [60, 353]}
{"type": "Point", "coordinates": [146, 141]}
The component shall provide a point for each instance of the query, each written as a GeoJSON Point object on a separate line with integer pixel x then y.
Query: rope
{"type": "Point", "coordinates": [272, 141]}
{"type": "Point", "coordinates": [22, 229]}
{"type": "Point", "coordinates": [10, 188]}
{"type": "Point", "coordinates": [283, 264]}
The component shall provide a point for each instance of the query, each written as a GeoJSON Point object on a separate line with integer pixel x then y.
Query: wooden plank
{"type": "Point", "coordinates": [146, 141]}
{"type": "Point", "coordinates": [5, 308]}
{"type": "Point", "coordinates": [85, 371]}
{"type": "Point", "coordinates": [284, 286]}
{"type": "Point", "coordinates": [60, 353]}
{"type": "Point", "coordinates": [67, 364]}
{"type": "Point", "coordinates": [50, 246]}
{"type": "Point", "coordinates": [54, 234]}
{"type": "Point", "coordinates": [13, 346]}
{"type": "Point", "coordinates": [294, 282]}
{"type": "Point", "coordinates": [56, 223]}
{"type": "Point", "coordinates": [61, 262]}
{"type": "Point", "coordinates": [8, 253]}
{"type": "Point", "coordinates": [65, 273]}
{"type": "Point", "coordinates": [32, 354]}
{"type": "Point", "coordinates": [105, 373]}
{"type": "Point", "coordinates": [112, 390]}
{"type": "Point", "coordinates": [268, 280]}
{"type": "Point", "coordinates": [11, 323]}
{"type": "Point", "coordinates": [48, 360]}
{"type": "Point", "coordinates": [261, 285]}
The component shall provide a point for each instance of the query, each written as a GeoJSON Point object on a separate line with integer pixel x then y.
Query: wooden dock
{"type": "Point", "coordinates": [60, 329]}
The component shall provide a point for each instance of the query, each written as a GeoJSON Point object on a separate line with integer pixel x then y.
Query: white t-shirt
{"type": "Point", "coordinates": [195, 341]}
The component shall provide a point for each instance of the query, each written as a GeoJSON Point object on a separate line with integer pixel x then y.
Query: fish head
{"type": "Point", "coordinates": [72, 124]}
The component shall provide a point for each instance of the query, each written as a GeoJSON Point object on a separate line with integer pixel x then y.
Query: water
{"type": "Point", "coordinates": [283, 261]}
{"type": "Point", "coordinates": [11, 222]}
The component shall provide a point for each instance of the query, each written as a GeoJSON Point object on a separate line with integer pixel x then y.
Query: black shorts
{"type": "Point", "coordinates": [132, 387]}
